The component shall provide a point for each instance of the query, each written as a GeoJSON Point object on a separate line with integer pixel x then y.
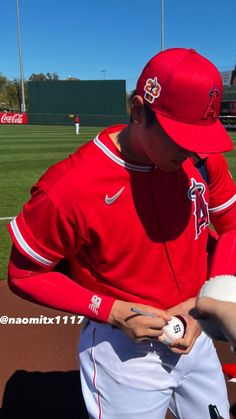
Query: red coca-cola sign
{"type": "Point", "coordinates": [13, 118]}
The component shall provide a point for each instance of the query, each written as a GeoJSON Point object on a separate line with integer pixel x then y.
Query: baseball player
{"type": "Point", "coordinates": [130, 211]}
{"type": "Point", "coordinates": [77, 124]}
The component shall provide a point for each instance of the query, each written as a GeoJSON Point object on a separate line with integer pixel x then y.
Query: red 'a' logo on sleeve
{"type": "Point", "coordinates": [196, 194]}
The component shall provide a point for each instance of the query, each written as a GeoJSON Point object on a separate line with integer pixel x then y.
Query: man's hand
{"type": "Point", "coordinates": [193, 329]}
{"type": "Point", "coordinates": [140, 327]}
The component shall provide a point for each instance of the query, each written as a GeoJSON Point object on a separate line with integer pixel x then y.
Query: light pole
{"type": "Point", "coordinates": [104, 73]}
{"type": "Point", "coordinates": [162, 25]}
{"type": "Point", "coordinates": [23, 108]}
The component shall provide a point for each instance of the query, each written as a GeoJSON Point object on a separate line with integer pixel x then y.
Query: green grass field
{"type": "Point", "coordinates": [25, 153]}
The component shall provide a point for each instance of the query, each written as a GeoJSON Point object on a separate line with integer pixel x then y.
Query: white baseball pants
{"type": "Point", "coordinates": [122, 379]}
{"type": "Point", "coordinates": [77, 128]}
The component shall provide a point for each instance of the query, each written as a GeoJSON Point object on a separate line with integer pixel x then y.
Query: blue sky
{"type": "Point", "coordinates": [82, 38]}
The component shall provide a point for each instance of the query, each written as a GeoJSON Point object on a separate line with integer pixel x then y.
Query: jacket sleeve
{"type": "Point", "coordinates": [41, 285]}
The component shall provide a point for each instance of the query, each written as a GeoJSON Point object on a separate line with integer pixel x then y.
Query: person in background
{"type": "Point", "coordinates": [77, 123]}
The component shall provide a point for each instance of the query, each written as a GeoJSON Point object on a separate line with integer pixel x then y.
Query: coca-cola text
{"type": "Point", "coordinates": [13, 118]}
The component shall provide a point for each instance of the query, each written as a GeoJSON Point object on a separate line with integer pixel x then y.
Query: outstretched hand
{"type": "Point", "coordinates": [221, 311]}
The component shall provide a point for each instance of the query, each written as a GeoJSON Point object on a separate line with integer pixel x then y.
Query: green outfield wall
{"type": "Point", "coordinates": [97, 102]}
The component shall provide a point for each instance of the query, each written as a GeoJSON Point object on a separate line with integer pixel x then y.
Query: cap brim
{"type": "Point", "coordinates": [197, 138]}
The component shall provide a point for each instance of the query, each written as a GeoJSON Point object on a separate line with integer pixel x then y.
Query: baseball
{"type": "Point", "coordinates": [223, 288]}
{"type": "Point", "coordinates": [175, 329]}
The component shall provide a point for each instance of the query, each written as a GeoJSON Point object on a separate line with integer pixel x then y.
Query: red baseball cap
{"type": "Point", "coordinates": [184, 89]}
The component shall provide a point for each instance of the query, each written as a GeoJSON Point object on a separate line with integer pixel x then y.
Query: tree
{"type": "Point", "coordinates": [17, 96]}
{"type": "Point", "coordinates": [43, 77]}
{"type": "Point", "coordinates": [71, 78]}
{"type": "Point", "coordinates": [3, 96]}
{"type": "Point", "coordinates": [52, 76]}
{"type": "Point", "coordinates": [3, 82]}
{"type": "Point", "coordinates": [37, 77]}
{"type": "Point", "coordinates": [12, 96]}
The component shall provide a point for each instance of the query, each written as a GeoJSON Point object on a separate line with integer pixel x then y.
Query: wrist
{"type": "Point", "coordinates": [114, 314]}
{"type": "Point", "coordinates": [101, 314]}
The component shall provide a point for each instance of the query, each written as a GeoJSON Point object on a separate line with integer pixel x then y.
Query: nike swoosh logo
{"type": "Point", "coordinates": [111, 199]}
